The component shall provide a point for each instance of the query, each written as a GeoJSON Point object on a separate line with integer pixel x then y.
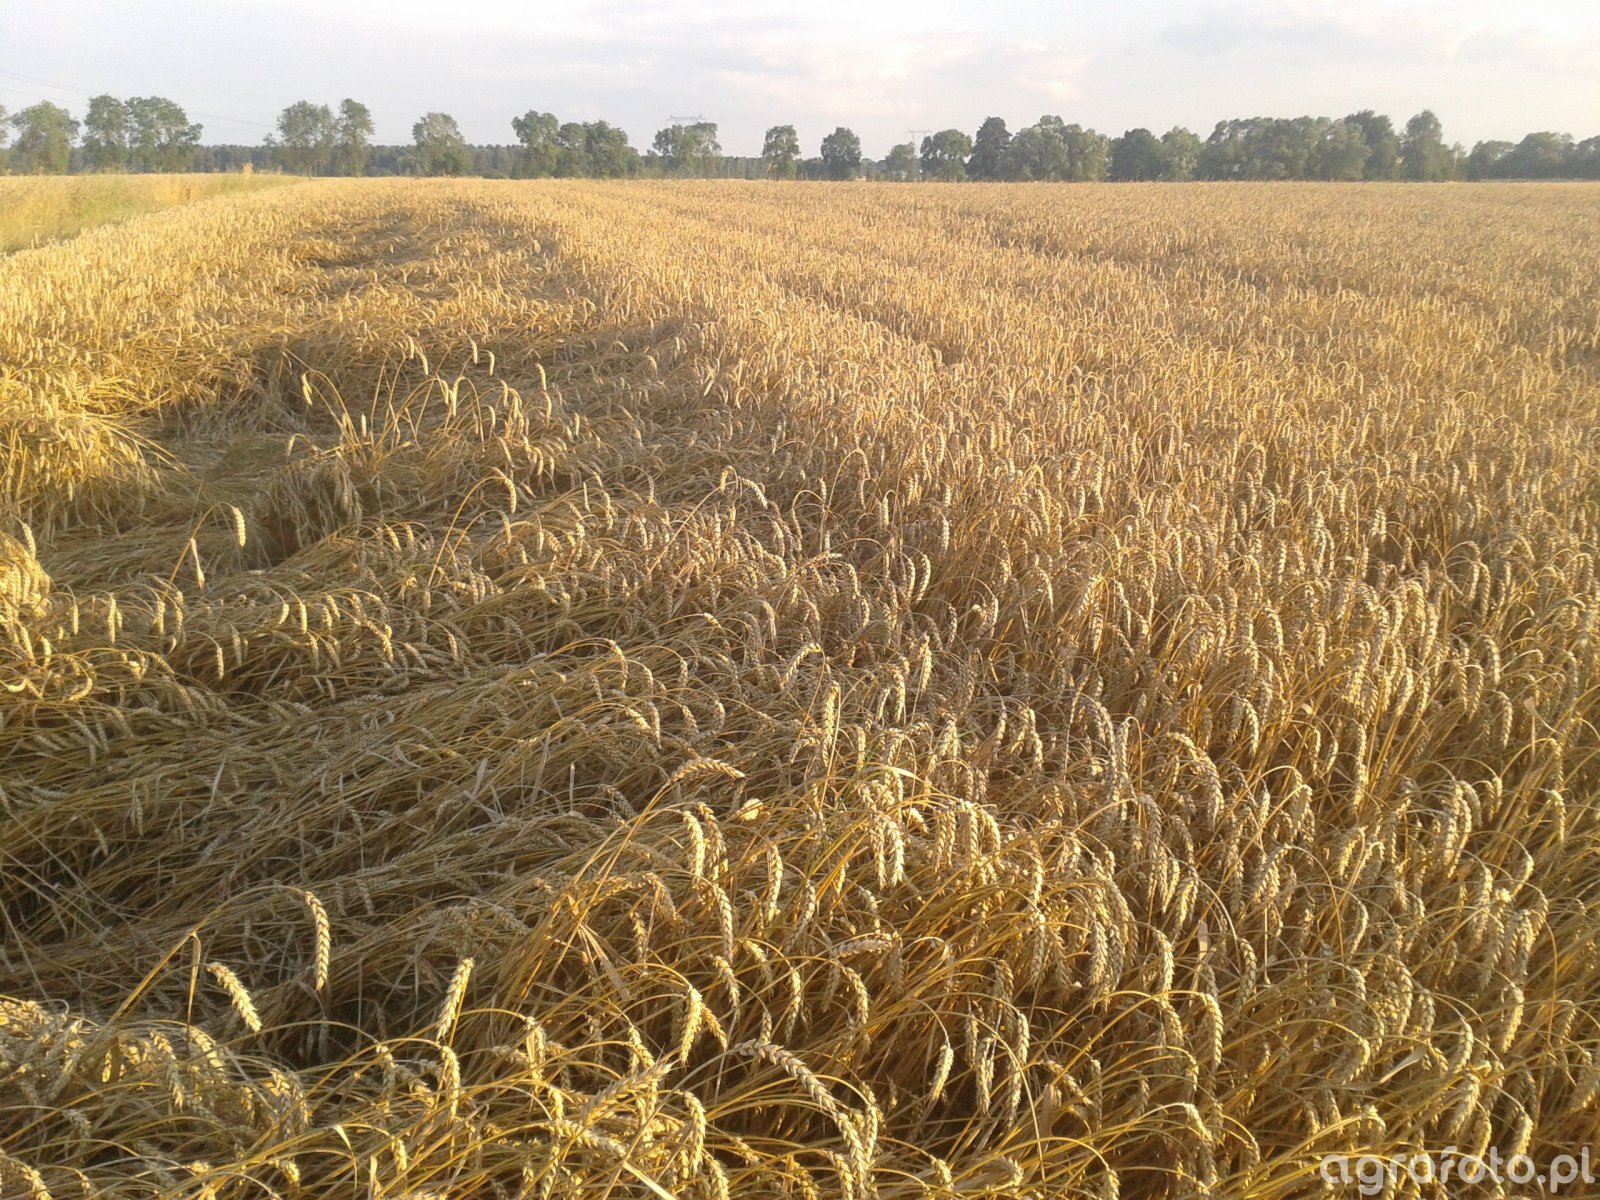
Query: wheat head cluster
{"type": "Point", "coordinates": [715, 690]}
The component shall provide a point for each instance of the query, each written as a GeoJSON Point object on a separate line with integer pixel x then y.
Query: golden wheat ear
{"type": "Point", "coordinates": [699, 690]}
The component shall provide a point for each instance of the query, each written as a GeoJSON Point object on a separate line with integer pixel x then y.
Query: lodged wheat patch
{"type": "Point", "coordinates": [702, 690]}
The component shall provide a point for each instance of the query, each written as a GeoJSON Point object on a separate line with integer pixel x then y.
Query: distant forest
{"type": "Point", "coordinates": [152, 133]}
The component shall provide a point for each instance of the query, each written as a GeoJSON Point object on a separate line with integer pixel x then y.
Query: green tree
{"type": "Point", "coordinates": [441, 150]}
{"type": "Point", "coordinates": [1422, 149]}
{"type": "Point", "coordinates": [45, 133]}
{"type": "Point", "coordinates": [1383, 144]}
{"type": "Point", "coordinates": [1088, 153]}
{"type": "Point", "coordinates": [1288, 146]}
{"type": "Point", "coordinates": [353, 134]}
{"type": "Point", "coordinates": [1262, 148]}
{"type": "Point", "coordinates": [781, 151]}
{"type": "Point", "coordinates": [689, 149]}
{"type": "Point", "coordinates": [610, 156]}
{"type": "Point", "coordinates": [105, 134]}
{"type": "Point", "coordinates": [1180, 153]}
{"type": "Point", "coordinates": [1223, 155]}
{"type": "Point", "coordinates": [305, 140]}
{"type": "Point", "coordinates": [1341, 154]}
{"type": "Point", "coordinates": [668, 146]}
{"type": "Point", "coordinates": [901, 165]}
{"type": "Point", "coordinates": [539, 133]}
{"type": "Point", "coordinates": [1539, 156]}
{"type": "Point", "coordinates": [1037, 152]}
{"type": "Point", "coordinates": [944, 155]}
{"type": "Point", "coordinates": [989, 150]}
{"type": "Point", "coordinates": [1136, 155]}
{"type": "Point", "coordinates": [572, 151]}
{"type": "Point", "coordinates": [841, 154]}
{"type": "Point", "coordinates": [1585, 162]}
{"type": "Point", "coordinates": [1486, 159]}
{"type": "Point", "coordinates": [160, 136]}
{"type": "Point", "coordinates": [704, 148]}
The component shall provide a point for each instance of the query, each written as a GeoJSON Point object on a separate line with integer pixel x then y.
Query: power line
{"type": "Point", "coordinates": [37, 82]}
{"type": "Point", "coordinates": [67, 87]}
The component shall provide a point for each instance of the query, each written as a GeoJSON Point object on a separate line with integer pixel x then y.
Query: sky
{"type": "Point", "coordinates": [1488, 68]}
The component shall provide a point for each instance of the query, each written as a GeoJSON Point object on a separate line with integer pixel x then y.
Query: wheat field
{"type": "Point", "coordinates": [717, 690]}
{"type": "Point", "coordinates": [37, 208]}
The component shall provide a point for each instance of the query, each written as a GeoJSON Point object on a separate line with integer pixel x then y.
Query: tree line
{"type": "Point", "coordinates": [1362, 146]}
{"type": "Point", "coordinates": [142, 133]}
{"type": "Point", "coordinates": [153, 133]}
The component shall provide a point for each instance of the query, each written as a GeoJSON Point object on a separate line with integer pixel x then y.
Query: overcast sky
{"type": "Point", "coordinates": [1489, 68]}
